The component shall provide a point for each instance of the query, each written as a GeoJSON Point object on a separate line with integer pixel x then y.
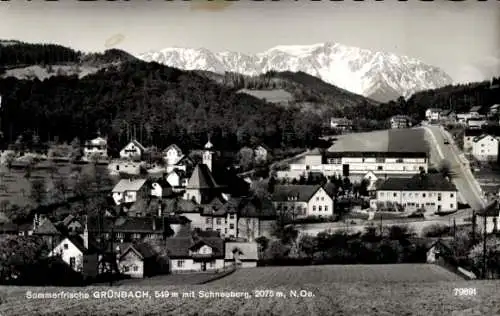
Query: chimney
{"type": "Point", "coordinates": [86, 235]}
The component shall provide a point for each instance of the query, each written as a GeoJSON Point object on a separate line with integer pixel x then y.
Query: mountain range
{"type": "Point", "coordinates": [376, 75]}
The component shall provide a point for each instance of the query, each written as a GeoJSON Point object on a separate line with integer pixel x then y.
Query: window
{"type": "Point", "coordinates": [423, 194]}
{"type": "Point", "coordinates": [211, 264]}
{"type": "Point", "coordinates": [72, 262]}
{"type": "Point", "coordinates": [380, 160]}
{"type": "Point", "coordinates": [326, 208]}
{"type": "Point", "coordinates": [231, 216]}
{"type": "Point", "coordinates": [399, 160]}
{"type": "Point", "coordinates": [231, 226]}
{"type": "Point", "coordinates": [394, 194]}
{"type": "Point", "coordinates": [314, 207]}
{"type": "Point", "coordinates": [218, 230]}
{"type": "Point", "coordinates": [135, 268]}
{"type": "Point", "coordinates": [180, 263]}
{"type": "Point", "coordinates": [225, 230]}
{"type": "Point", "coordinates": [65, 246]}
{"type": "Point", "coordinates": [451, 205]}
{"type": "Point", "coordinates": [381, 193]}
{"type": "Point", "coordinates": [320, 208]}
{"type": "Point", "coordinates": [219, 221]}
{"type": "Point", "coordinates": [208, 220]}
{"type": "Point", "coordinates": [117, 167]}
{"type": "Point", "coordinates": [451, 195]}
{"type": "Point", "coordinates": [317, 198]}
{"type": "Point", "coordinates": [379, 168]}
{"type": "Point", "coordinates": [225, 220]}
{"type": "Point", "coordinates": [322, 198]}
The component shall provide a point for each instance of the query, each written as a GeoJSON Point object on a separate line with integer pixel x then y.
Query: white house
{"type": "Point", "coordinates": [126, 166]}
{"type": "Point", "coordinates": [177, 178]}
{"type": "Point", "coordinates": [161, 188]}
{"type": "Point", "coordinates": [469, 136]}
{"type": "Point", "coordinates": [492, 214]}
{"type": "Point", "coordinates": [400, 121]}
{"type": "Point", "coordinates": [485, 148]}
{"type": "Point", "coordinates": [474, 111]}
{"type": "Point", "coordinates": [188, 254]}
{"type": "Point", "coordinates": [340, 123]}
{"type": "Point", "coordinates": [476, 123]}
{"type": "Point", "coordinates": [430, 192]}
{"type": "Point", "coordinates": [128, 190]}
{"type": "Point", "coordinates": [172, 154]}
{"type": "Point", "coordinates": [433, 114]}
{"type": "Point", "coordinates": [138, 261]}
{"type": "Point", "coordinates": [494, 109]}
{"type": "Point", "coordinates": [97, 147]}
{"type": "Point", "coordinates": [241, 254]}
{"type": "Point", "coordinates": [302, 200]}
{"type": "Point", "coordinates": [133, 150]}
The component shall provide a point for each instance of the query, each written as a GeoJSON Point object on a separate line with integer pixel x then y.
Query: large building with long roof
{"type": "Point", "coordinates": [387, 153]}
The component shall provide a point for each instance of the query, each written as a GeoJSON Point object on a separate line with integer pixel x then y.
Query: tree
{"type": "Point", "coordinates": [246, 158]}
{"type": "Point", "coordinates": [38, 191]}
{"type": "Point", "coordinates": [61, 187]}
{"type": "Point", "coordinates": [476, 255]}
{"type": "Point", "coordinates": [18, 254]}
{"type": "Point", "coordinates": [307, 245]}
{"type": "Point", "coordinates": [277, 250]}
{"type": "Point", "coordinates": [17, 214]}
{"type": "Point", "coordinates": [76, 150]}
{"type": "Point", "coordinates": [263, 243]}
{"type": "Point", "coordinates": [9, 158]}
{"type": "Point", "coordinates": [445, 168]}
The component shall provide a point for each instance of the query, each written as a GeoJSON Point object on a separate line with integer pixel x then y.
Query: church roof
{"type": "Point", "coordinates": [201, 178]}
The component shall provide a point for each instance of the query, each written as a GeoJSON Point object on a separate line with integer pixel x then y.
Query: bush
{"type": "Point", "coordinates": [436, 230]}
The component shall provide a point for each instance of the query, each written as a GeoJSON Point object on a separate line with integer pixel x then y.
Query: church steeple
{"type": "Point", "coordinates": [208, 154]}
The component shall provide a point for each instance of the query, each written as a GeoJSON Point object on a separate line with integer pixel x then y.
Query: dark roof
{"type": "Point", "coordinates": [8, 228]}
{"type": "Point", "coordinates": [473, 132]}
{"type": "Point", "coordinates": [490, 210]}
{"type": "Point", "coordinates": [185, 159]}
{"type": "Point", "coordinates": [301, 193]}
{"type": "Point", "coordinates": [79, 243]}
{"type": "Point", "coordinates": [407, 140]}
{"type": "Point", "coordinates": [178, 205]}
{"type": "Point", "coordinates": [426, 182]}
{"type": "Point", "coordinates": [178, 247]}
{"type": "Point", "coordinates": [376, 154]}
{"type": "Point", "coordinates": [127, 224]}
{"type": "Point", "coordinates": [46, 228]}
{"type": "Point", "coordinates": [144, 250]}
{"type": "Point", "coordinates": [177, 219]}
{"type": "Point", "coordinates": [330, 188]}
{"type": "Point", "coordinates": [475, 108]}
{"type": "Point", "coordinates": [69, 219]}
{"type": "Point", "coordinates": [201, 178]}
{"type": "Point", "coordinates": [214, 208]}
{"type": "Point", "coordinates": [138, 145]}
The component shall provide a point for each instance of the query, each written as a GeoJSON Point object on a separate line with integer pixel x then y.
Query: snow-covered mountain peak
{"type": "Point", "coordinates": [380, 75]}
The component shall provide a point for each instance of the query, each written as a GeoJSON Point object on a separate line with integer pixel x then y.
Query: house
{"type": "Point", "coordinates": [340, 123]}
{"type": "Point", "coordinates": [400, 121]}
{"type": "Point", "coordinates": [441, 248]}
{"type": "Point", "coordinates": [469, 136]}
{"type": "Point", "coordinates": [47, 231]}
{"type": "Point", "coordinates": [177, 179]}
{"type": "Point", "coordinates": [72, 224]}
{"type": "Point", "coordinates": [97, 147]}
{"type": "Point", "coordinates": [133, 150]}
{"type": "Point", "coordinates": [430, 192]}
{"type": "Point", "coordinates": [448, 116]}
{"type": "Point", "coordinates": [485, 148]}
{"type": "Point", "coordinates": [140, 260]}
{"type": "Point", "coordinates": [128, 190]}
{"type": "Point", "coordinates": [80, 254]}
{"type": "Point", "coordinates": [172, 154]}
{"type": "Point", "coordinates": [302, 200]}
{"type": "Point", "coordinates": [184, 164]}
{"type": "Point", "coordinates": [476, 123]}
{"type": "Point", "coordinates": [474, 111]}
{"type": "Point", "coordinates": [161, 188]}
{"type": "Point", "coordinates": [494, 109]}
{"type": "Point", "coordinates": [490, 214]}
{"type": "Point", "coordinates": [433, 114]}
{"type": "Point", "coordinates": [261, 152]}
{"type": "Point", "coordinates": [130, 167]}
{"type": "Point", "coordinates": [195, 253]}
{"type": "Point", "coordinates": [186, 208]}
{"type": "Point", "coordinates": [241, 254]}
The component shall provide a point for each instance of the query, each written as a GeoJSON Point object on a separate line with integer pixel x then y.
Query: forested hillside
{"type": "Point", "coordinates": [161, 104]}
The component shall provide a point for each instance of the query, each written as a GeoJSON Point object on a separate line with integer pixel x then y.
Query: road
{"type": "Point", "coordinates": [463, 178]}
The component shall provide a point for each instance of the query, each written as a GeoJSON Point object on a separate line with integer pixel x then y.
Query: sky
{"type": "Point", "coordinates": [462, 38]}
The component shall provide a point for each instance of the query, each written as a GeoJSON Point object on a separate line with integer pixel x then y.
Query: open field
{"type": "Point", "coordinates": [273, 96]}
{"type": "Point", "coordinates": [391, 293]}
{"type": "Point", "coordinates": [17, 186]}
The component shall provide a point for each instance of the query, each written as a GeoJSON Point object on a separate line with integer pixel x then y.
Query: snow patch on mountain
{"type": "Point", "coordinates": [382, 76]}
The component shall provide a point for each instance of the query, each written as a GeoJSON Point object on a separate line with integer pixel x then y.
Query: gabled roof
{"type": "Point", "coordinates": [426, 182]}
{"type": "Point", "coordinates": [301, 193]}
{"type": "Point", "coordinates": [447, 112]}
{"type": "Point", "coordinates": [129, 185]}
{"type": "Point", "coordinates": [174, 146]}
{"type": "Point", "coordinates": [247, 250]}
{"type": "Point", "coordinates": [46, 228]}
{"type": "Point", "coordinates": [435, 109]}
{"type": "Point", "coordinates": [263, 146]}
{"type": "Point", "coordinates": [78, 242]}
{"type": "Point", "coordinates": [201, 178]}
{"type": "Point", "coordinates": [214, 207]}
{"type": "Point", "coordinates": [184, 159]}
{"type": "Point", "coordinates": [494, 106]}
{"type": "Point", "coordinates": [178, 205]}
{"type": "Point", "coordinates": [128, 224]}
{"type": "Point", "coordinates": [475, 108]}
{"type": "Point", "coordinates": [68, 219]}
{"type": "Point", "coordinates": [143, 250]}
{"type": "Point", "coordinates": [178, 247]}
{"type": "Point", "coordinates": [330, 188]}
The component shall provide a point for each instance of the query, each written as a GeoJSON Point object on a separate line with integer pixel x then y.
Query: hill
{"type": "Point", "coordinates": [296, 89]}
{"type": "Point", "coordinates": [160, 104]}
{"type": "Point", "coordinates": [327, 290]}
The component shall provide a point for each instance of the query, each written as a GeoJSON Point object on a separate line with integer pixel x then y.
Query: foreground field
{"type": "Point", "coordinates": [330, 290]}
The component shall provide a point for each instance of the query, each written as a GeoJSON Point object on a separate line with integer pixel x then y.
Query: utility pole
{"type": "Point", "coordinates": [113, 258]}
{"type": "Point", "coordinates": [484, 247]}
{"type": "Point", "coordinates": [473, 227]}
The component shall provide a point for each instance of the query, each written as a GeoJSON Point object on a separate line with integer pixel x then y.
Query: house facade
{"type": "Point", "coordinates": [469, 136]}
{"type": "Point", "coordinates": [172, 154]}
{"type": "Point", "coordinates": [133, 150]}
{"type": "Point", "coordinates": [433, 114]}
{"type": "Point", "coordinates": [340, 123]}
{"type": "Point", "coordinates": [139, 261]}
{"type": "Point", "coordinates": [195, 254]}
{"type": "Point", "coordinates": [75, 252]}
{"type": "Point", "coordinates": [302, 201]}
{"type": "Point", "coordinates": [476, 123]}
{"type": "Point", "coordinates": [241, 254]}
{"type": "Point", "coordinates": [429, 192]}
{"type": "Point", "coordinates": [97, 147]}
{"type": "Point", "coordinates": [485, 148]}
{"type": "Point", "coordinates": [400, 121]}
{"type": "Point", "coordinates": [128, 190]}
